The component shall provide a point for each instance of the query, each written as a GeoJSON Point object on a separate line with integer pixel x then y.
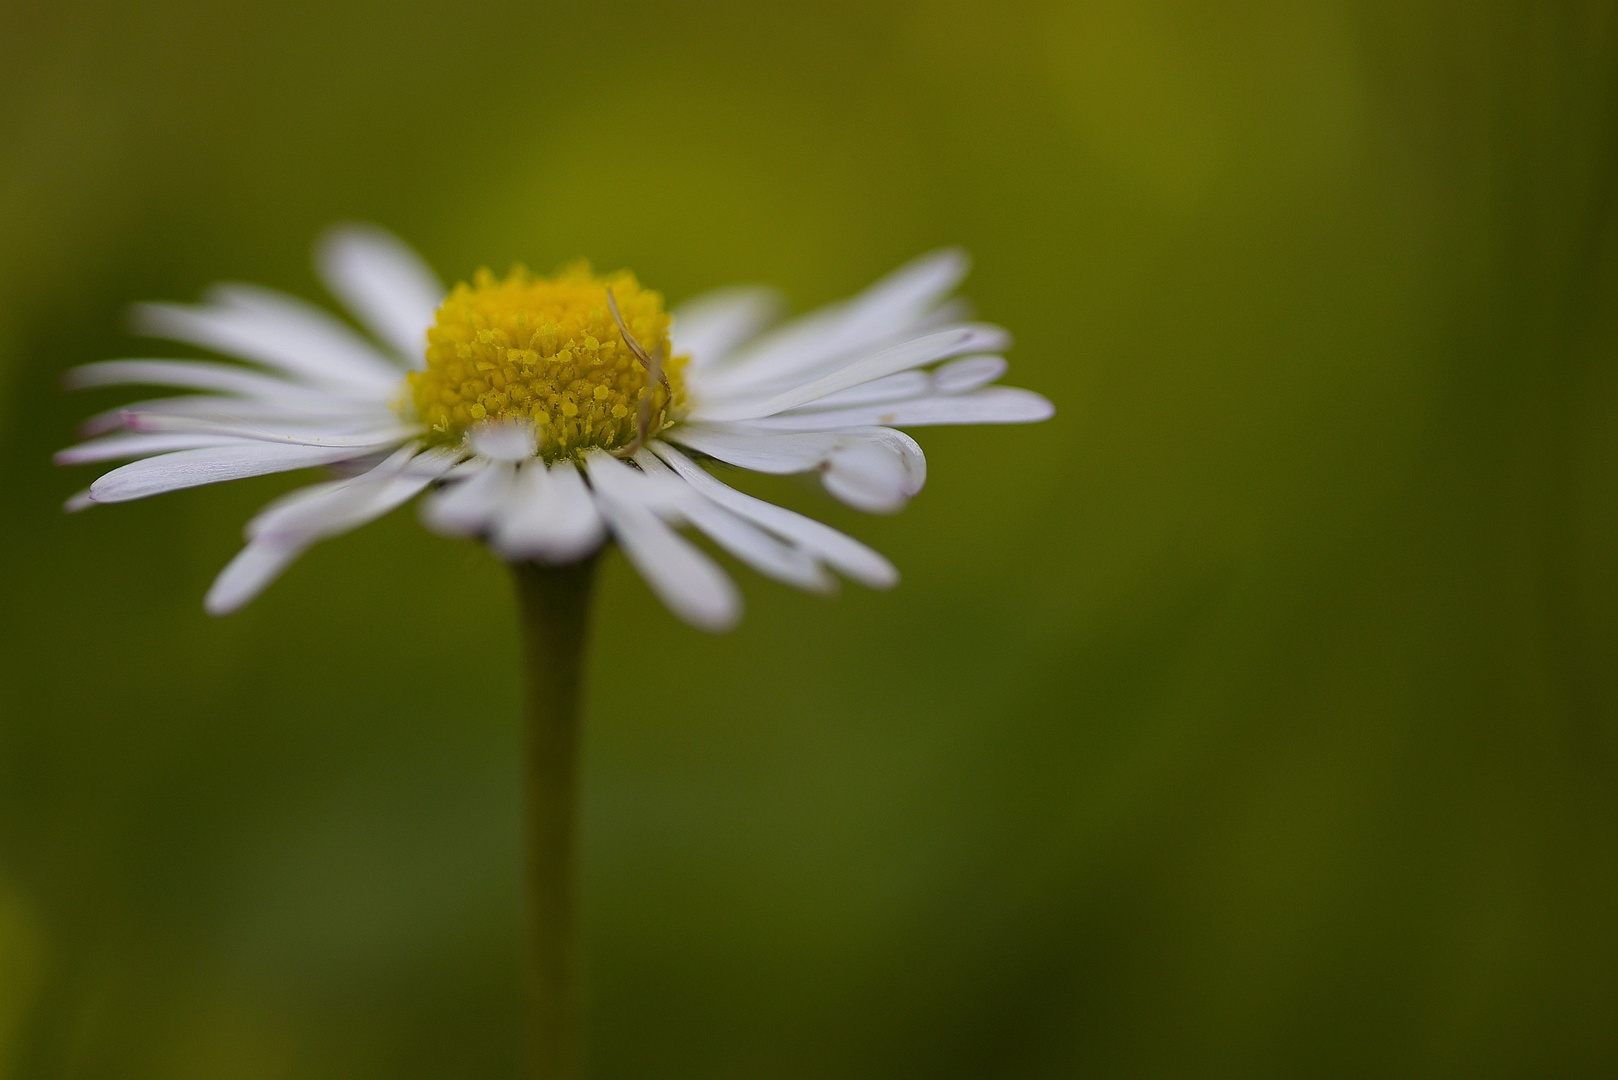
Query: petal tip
{"type": "Point", "coordinates": [222, 599]}
{"type": "Point", "coordinates": [715, 622]}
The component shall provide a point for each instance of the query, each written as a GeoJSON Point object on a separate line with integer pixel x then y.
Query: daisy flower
{"type": "Point", "coordinates": [547, 415]}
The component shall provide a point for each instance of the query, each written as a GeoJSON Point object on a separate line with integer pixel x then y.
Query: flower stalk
{"type": "Point", "coordinates": [554, 604]}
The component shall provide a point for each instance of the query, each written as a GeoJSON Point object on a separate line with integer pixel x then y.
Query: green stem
{"type": "Point", "coordinates": [555, 607]}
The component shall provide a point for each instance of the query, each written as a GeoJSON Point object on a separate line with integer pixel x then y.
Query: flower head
{"type": "Point", "coordinates": [549, 414]}
{"type": "Point", "coordinates": [562, 354]}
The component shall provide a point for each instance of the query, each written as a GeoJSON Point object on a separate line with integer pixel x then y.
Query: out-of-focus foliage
{"type": "Point", "coordinates": [1254, 717]}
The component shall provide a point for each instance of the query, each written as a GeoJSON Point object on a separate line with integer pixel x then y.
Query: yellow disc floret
{"type": "Point", "coordinates": [548, 350]}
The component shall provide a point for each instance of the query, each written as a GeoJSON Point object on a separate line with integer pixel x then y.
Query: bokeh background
{"type": "Point", "coordinates": [1254, 718]}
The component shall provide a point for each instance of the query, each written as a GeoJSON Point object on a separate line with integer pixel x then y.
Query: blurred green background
{"type": "Point", "coordinates": [1254, 718]}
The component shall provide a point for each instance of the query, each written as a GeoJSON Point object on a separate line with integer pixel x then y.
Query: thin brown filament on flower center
{"type": "Point", "coordinates": [654, 375]}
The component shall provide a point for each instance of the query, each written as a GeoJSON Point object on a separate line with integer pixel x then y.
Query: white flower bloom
{"type": "Point", "coordinates": [540, 418]}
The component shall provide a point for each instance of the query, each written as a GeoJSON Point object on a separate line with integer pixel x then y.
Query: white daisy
{"type": "Point", "coordinates": [548, 415]}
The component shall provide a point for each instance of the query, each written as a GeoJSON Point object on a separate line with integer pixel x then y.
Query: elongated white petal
{"type": "Point", "coordinates": [968, 373]}
{"type": "Point", "coordinates": [777, 352]}
{"type": "Point", "coordinates": [847, 555]}
{"type": "Point", "coordinates": [955, 377]}
{"type": "Point", "coordinates": [338, 506]}
{"type": "Point", "coordinates": [469, 507]}
{"type": "Point", "coordinates": [341, 353]}
{"type": "Point", "coordinates": [576, 516]}
{"type": "Point", "coordinates": [747, 542]}
{"type": "Point", "coordinates": [290, 525]}
{"type": "Point", "coordinates": [664, 493]}
{"type": "Point", "coordinates": [901, 387]}
{"type": "Point", "coordinates": [870, 468]}
{"type": "Point", "coordinates": [274, 329]}
{"type": "Point", "coordinates": [208, 465]}
{"type": "Point", "coordinates": [250, 573]}
{"type": "Point", "coordinates": [857, 461]}
{"type": "Point", "coordinates": [504, 440]}
{"type": "Point", "coordinates": [710, 326]}
{"type": "Point", "coordinates": [302, 435]}
{"type": "Point", "coordinates": [549, 516]}
{"type": "Point", "coordinates": [330, 411]}
{"type": "Point", "coordinates": [868, 477]}
{"type": "Point", "coordinates": [113, 447]}
{"type": "Point", "coordinates": [899, 298]}
{"type": "Point", "coordinates": [466, 469]}
{"type": "Point", "coordinates": [190, 375]}
{"type": "Point", "coordinates": [792, 452]}
{"type": "Point", "coordinates": [769, 452]}
{"type": "Point", "coordinates": [759, 549]}
{"type": "Point", "coordinates": [954, 310]}
{"type": "Point", "coordinates": [362, 505]}
{"type": "Point", "coordinates": [914, 353]}
{"type": "Point", "coordinates": [899, 306]}
{"type": "Point", "coordinates": [991, 405]}
{"type": "Point", "coordinates": [385, 284]}
{"type": "Point", "coordinates": [77, 502]}
{"type": "Point", "coordinates": [683, 577]}
{"type": "Point", "coordinates": [311, 512]}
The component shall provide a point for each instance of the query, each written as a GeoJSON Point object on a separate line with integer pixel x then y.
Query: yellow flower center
{"type": "Point", "coordinates": [547, 350]}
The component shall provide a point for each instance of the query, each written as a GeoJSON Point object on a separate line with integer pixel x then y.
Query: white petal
{"type": "Point", "coordinates": [663, 494]}
{"type": "Point", "coordinates": [291, 524]}
{"type": "Point", "coordinates": [710, 326]}
{"type": "Point", "coordinates": [868, 477]}
{"type": "Point", "coordinates": [504, 440]}
{"type": "Point", "coordinates": [846, 554]}
{"type": "Point", "coordinates": [955, 377]}
{"type": "Point", "coordinates": [759, 549]}
{"type": "Point", "coordinates": [550, 516]}
{"type": "Point", "coordinates": [778, 352]}
{"type": "Point", "coordinates": [769, 452]}
{"type": "Point", "coordinates": [465, 470]}
{"type": "Point", "coordinates": [209, 465]}
{"type": "Point", "coordinates": [901, 387]}
{"type": "Point", "coordinates": [385, 284]}
{"type": "Point", "coordinates": [938, 345]}
{"type": "Point", "coordinates": [303, 434]}
{"type": "Point", "coordinates": [78, 502]}
{"type": "Point", "coordinates": [991, 405]}
{"type": "Point", "coordinates": [249, 412]}
{"type": "Point", "coordinates": [311, 512]}
{"type": "Point", "coordinates": [132, 446]}
{"type": "Point", "coordinates": [683, 577]}
{"type": "Point", "coordinates": [249, 573]}
{"type": "Point", "coordinates": [968, 373]}
{"type": "Point", "coordinates": [897, 306]}
{"type": "Point", "coordinates": [741, 538]}
{"type": "Point", "coordinates": [324, 510]}
{"type": "Point", "coordinates": [189, 374]}
{"type": "Point", "coordinates": [275, 329]}
{"type": "Point", "coordinates": [954, 310]}
{"type": "Point", "coordinates": [792, 452]}
{"type": "Point", "coordinates": [900, 297]}
{"type": "Point", "coordinates": [469, 507]}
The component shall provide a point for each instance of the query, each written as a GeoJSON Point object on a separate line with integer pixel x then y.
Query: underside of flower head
{"type": "Point", "coordinates": [548, 415]}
